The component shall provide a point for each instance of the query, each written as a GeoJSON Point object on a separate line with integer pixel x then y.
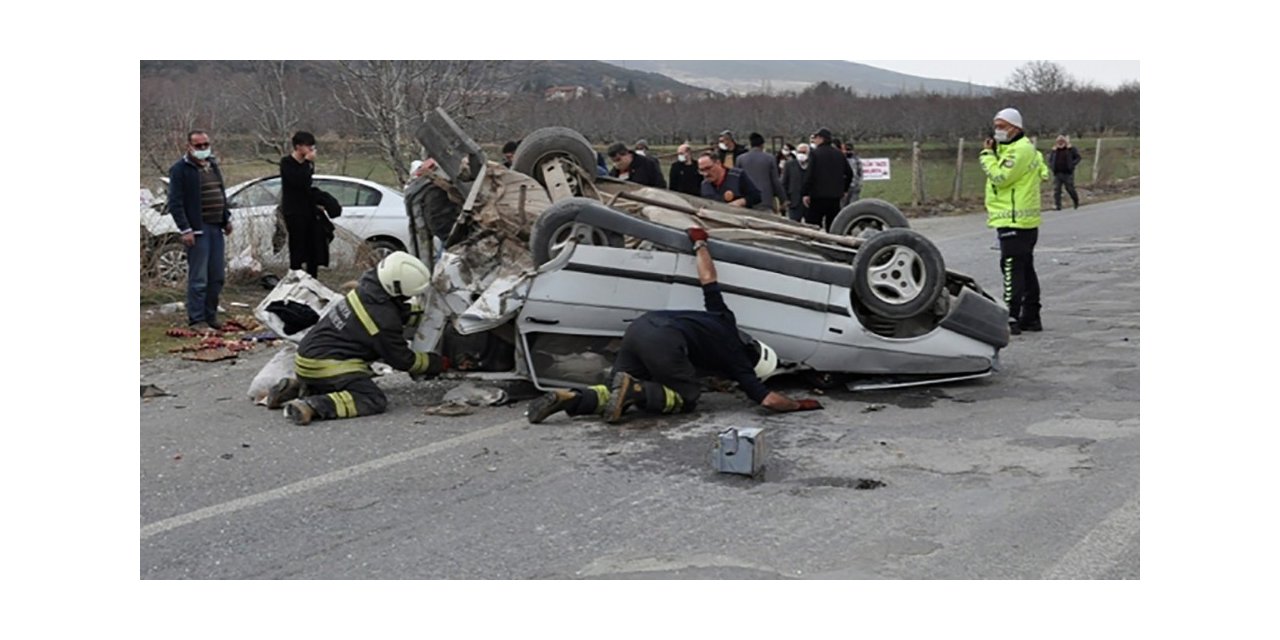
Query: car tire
{"type": "Point", "coordinates": [865, 214]}
{"type": "Point", "coordinates": [898, 273]}
{"type": "Point", "coordinates": [553, 230]}
{"type": "Point", "coordinates": [376, 250]}
{"type": "Point", "coordinates": [168, 266]}
{"type": "Point", "coordinates": [552, 142]}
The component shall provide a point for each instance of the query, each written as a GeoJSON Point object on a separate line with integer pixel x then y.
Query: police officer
{"type": "Point", "coordinates": [1014, 170]}
{"type": "Point", "coordinates": [334, 378]}
{"type": "Point", "coordinates": [662, 353]}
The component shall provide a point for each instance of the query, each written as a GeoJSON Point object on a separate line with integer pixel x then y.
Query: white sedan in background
{"type": "Point", "coordinates": [372, 212]}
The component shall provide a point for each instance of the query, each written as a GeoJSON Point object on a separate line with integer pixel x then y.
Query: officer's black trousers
{"type": "Point", "coordinates": [1017, 263]}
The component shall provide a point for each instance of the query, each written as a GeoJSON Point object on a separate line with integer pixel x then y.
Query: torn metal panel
{"type": "Point", "coordinates": [499, 303]}
{"type": "Point", "coordinates": [296, 286]}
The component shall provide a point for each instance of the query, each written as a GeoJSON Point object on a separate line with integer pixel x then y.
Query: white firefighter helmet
{"type": "Point", "coordinates": [768, 362]}
{"type": "Point", "coordinates": [403, 275]}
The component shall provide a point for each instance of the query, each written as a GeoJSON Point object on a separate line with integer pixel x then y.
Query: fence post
{"type": "Point", "coordinates": [917, 176]}
{"type": "Point", "coordinates": [955, 189]}
{"type": "Point", "coordinates": [1097, 155]}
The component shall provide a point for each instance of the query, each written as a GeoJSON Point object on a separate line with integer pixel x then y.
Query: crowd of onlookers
{"type": "Point", "coordinates": [807, 182]}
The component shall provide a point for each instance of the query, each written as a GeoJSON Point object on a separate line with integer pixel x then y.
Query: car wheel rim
{"type": "Point", "coordinates": [380, 252]}
{"type": "Point", "coordinates": [171, 268]}
{"type": "Point", "coordinates": [865, 226]}
{"type": "Point", "coordinates": [896, 275]}
{"type": "Point", "coordinates": [570, 176]}
{"type": "Point", "coordinates": [564, 235]}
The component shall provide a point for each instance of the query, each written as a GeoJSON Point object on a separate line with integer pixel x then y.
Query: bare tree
{"type": "Point", "coordinates": [266, 99]}
{"type": "Point", "coordinates": [1041, 76]}
{"type": "Point", "coordinates": [390, 97]}
{"type": "Point", "coordinates": [168, 112]}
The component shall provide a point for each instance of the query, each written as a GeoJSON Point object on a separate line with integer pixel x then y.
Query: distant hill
{"type": "Point", "coordinates": [600, 77]}
{"type": "Point", "coordinates": [753, 76]}
{"type": "Point", "coordinates": [596, 77]}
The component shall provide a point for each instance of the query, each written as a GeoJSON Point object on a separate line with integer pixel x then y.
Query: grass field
{"type": "Point", "coordinates": [1120, 160]}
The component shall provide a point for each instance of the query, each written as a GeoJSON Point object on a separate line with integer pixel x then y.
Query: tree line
{"type": "Point", "coordinates": [384, 102]}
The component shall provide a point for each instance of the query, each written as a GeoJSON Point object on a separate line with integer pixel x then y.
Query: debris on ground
{"type": "Point", "coordinates": [294, 305]}
{"type": "Point", "coordinates": [872, 408]}
{"type": "Point", "coordinates": [172, 307]}
{"type": "Point", "coordinates": [208, 343]}
{"type": "Point", "coordinates": [450, 409]}
{"type": "Point", "coordinates": [214, 345]}
{"type": "Point", "coordinates": [475, 396]}
{"type": "Point", "coordinates": [226, 456]}
{"type": "Point", "coordinates": [210, 355]}
{"type": "Point", "coordinates": [152, 391]}
{"type": "Point", "coordinates": [280, 366]}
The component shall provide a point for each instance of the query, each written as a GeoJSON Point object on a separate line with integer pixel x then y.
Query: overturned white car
{"type": "Point", "coordinates": [539, 275]}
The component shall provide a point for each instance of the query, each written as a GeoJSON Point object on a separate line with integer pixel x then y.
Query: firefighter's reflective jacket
{"type": "Point", "coordinates": [367, 325]}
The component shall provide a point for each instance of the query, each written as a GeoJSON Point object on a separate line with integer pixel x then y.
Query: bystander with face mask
{"type": "Point", "coordinates": [793, 175]}
{"type": "Point", "coordinates": [684, 176]}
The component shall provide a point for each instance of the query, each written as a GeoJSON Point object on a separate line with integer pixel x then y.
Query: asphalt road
{"type": "Point", "coordinates": [1030, 473]}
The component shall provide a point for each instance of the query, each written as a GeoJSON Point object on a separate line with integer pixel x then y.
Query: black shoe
{"type": "Point", "coordinates": [1033, 325]}
{"type": "Point", "coordinates": [216, 325]}
{"type": "Point", "coordinates": [624, 391]}
{"type": "Point", "coordinates": [1014, 329]}
{"type": "Point", "coordinates": [549, 404]}
{"type": "Point", "coordinates": [284, 390]}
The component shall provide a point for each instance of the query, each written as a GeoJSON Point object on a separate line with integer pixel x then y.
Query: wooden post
{"type": "Point", "coordinates": [1097, 155]}
{"type": "Point", "coordinates": [917, 176]}
{"type": "Point", "coordinates": [955, 188]}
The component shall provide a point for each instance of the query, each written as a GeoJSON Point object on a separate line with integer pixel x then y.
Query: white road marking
{"type": "Point", "coordinates": [316, 482]}
{"type": "Point", "coordinates": [1101, 548]}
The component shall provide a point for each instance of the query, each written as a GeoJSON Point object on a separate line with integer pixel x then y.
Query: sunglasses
{"type": "Point", "coordinates": [202, 145]}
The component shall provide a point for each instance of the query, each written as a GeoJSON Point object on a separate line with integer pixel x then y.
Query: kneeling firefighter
{"type": "Point", "coordinates": [334, 378]}
{"type": "Point", "coordinates": [662, 353]}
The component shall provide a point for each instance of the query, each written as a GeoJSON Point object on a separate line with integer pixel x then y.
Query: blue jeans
{"type": "Point", "coordinates": [206, 271]}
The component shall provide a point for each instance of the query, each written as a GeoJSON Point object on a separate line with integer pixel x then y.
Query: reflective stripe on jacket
{"type": "Point", "coordinates": [1014, 172]}
{"type": "Point", "coordinates": [367, 325]}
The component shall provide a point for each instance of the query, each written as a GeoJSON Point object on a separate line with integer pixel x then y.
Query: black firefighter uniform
{"type": "Point", "coordinates": [333, 359]}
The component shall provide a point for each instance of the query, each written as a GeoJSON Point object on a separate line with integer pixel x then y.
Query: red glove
{"type": "Point", "coordinates": [808, 404]}
{"type": "Point", "coordinates": [697, 233]}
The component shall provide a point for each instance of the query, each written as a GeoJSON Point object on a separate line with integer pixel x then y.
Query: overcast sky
{"type": "Point", "coordinates": [1106, 73]}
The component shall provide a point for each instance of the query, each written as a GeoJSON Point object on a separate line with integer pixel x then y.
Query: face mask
{"type": "Point", "coordinates": [640, 152]}
{"type": "Point", "coordinates": [682, 157]}
{"type": "Point", "coordinates": [202, 154]}
{"type": "Point", "coordinates": [802, 157]}
{"type": "Point", "coordinates": [724, 147]}
{"type": "Point", "coordinates": [1001, 135]}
